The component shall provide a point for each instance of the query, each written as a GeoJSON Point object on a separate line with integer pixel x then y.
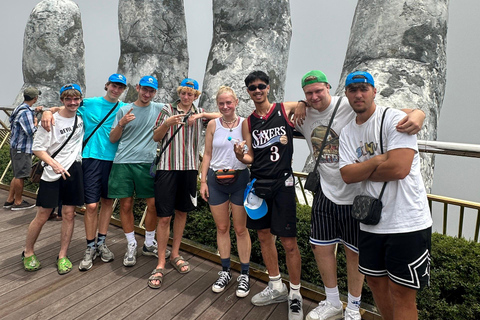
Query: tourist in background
{"type": "Point", "coordinates": [23, 126]}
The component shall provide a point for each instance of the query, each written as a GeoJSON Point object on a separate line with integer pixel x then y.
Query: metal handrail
{"type": "Point", "coordinates": [435, 147]}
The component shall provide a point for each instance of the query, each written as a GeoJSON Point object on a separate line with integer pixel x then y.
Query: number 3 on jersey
{"type": "Point", "coordinates": [275, 156]}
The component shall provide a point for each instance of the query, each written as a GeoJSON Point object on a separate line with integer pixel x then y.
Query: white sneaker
{"type": "Point", "coordinates": [325, 311]}
{"type": "Point", "coordinates": [269, 296]}
{"type": "Point", "coordinates": [351, 314]}
{"type": "Point", "coordinates": [243, 287]}
{"type": "Point", "coordinates": [130, 258]}
{"type": "Point", "coordinates": [295, 307]}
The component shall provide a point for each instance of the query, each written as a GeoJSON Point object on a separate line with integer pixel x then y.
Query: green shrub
{"type": "Point", "coordinates": [454, 292]}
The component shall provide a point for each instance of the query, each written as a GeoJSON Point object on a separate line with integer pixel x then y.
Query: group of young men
{"type": "Point", "coordinates": [119, 151]}
{"type": "Point", "coordinates": [395, 254]}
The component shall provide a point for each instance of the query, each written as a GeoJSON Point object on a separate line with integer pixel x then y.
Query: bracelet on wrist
{"type": "Point", "coordinates": [306, 104]}
{"type": "Point", "coordinates": [123, 127]}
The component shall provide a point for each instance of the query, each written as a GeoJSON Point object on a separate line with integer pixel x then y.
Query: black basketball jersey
{"type": "Point", "coordinates": [272, 143]}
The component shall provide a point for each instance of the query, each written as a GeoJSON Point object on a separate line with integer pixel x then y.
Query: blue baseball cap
{"type": "Point", "coordinates": [118, 78]}
{"type": "Point", "coordinates": [359, 77]}
{"type": "Point", "coordinates": [255, 206]}
{"type": "Point", "coordinates": [188, 82]}
{"type": "Point", "coordinates": [70, 86]}
{"type": "Point", "coordinates": [149, 81]}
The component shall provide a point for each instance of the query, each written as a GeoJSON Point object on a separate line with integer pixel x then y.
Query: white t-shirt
{"type": "Point", "coordinates": [405, 205]}
{"type": "Point", "coordinates": [51, 142]}
{"type": "Point", "coordinates": [223, 156]}
{"type": "Point", "coordinates": [314, 129]}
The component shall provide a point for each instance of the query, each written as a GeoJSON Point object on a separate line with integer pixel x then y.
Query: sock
{"type": "Point", "coordinates": [294, 289]}
{"type": "Point", "coordinates": [149, 237]}
{"type": "Point", "coordinates": [91, 243]}
{"type": "Point", "coordinates": [333, 296]}
{"type": "Point", "coordinates": [244, 267]}
{"type": "Point", "coordinates": [131, 237]}
{"type": "Point", "coordinates": [354, 302]}
{"type": "Point", "coordinates": [276, 283]}
{"type": "Point", "coordinates": [101, 239]}
{"type": "Point", "coordinates": [225, 264]}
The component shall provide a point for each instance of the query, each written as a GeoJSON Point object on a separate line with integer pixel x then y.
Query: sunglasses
{"type": "Point", "coordinates": [253, 87]}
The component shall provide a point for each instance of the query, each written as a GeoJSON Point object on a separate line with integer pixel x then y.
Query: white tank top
{"type": "Point", "coordinates": [223, 156]}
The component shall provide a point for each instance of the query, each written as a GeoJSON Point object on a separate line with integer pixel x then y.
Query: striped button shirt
{"type": "Point", "coordinates": [22, 128]}
{"type": "Point", "coordinates": [182, 152]}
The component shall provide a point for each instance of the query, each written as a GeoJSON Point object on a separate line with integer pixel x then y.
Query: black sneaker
{"type": "Point", "coordinates": [22, 206]}
{"type": "Point", "coordinates": [8, 205]}
{"type": "Point", "coordinates": [223, 280]}
{"type": "Point", "coordinates": [243, 287]}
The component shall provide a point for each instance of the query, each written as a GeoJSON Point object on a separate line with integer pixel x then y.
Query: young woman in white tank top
{"type": "Point", "coordinates": [219, 155]}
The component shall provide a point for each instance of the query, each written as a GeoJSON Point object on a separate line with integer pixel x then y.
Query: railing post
{"type": "Point", "coordinates": [460, 223]}
{"type": "Point", "coordinates": [445, 215]}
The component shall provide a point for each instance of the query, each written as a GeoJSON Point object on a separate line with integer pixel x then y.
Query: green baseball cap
{"type": "Point", "coordinates": [314, 76]}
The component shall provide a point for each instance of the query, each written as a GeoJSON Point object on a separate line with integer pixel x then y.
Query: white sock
{"type": "Point", "coordinates": [333, 296]}
{"type": "Point", "coordinates": [276, 283]}
{"type": "Point", "coordinates": [354, 302]}
{"type": "Point", "coordinates": [149, 237]}
{"type": "Point", "coordinates": [131, 237]}
{"type": "Point", "coordinates": [294, 289]}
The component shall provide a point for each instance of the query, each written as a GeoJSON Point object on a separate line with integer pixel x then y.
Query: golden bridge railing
{"type": "Point", "coordinates": [304, 196]}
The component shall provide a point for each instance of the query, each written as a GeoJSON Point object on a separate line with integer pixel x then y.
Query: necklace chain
{"type": "Point", "coordinates": [230, 123]}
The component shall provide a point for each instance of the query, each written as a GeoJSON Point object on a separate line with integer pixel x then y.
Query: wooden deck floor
{"type": "Point", "coordinates": [110, 290]}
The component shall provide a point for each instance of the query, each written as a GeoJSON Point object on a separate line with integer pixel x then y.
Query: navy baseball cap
{"type": "Point", "coordinates": [149, 81]}
{"type": "Point", "coordinates": [359, 77]}
{"type": "Point", "coordinates": [188, 82]}
{"type": "Point", "coordinates": [70, 86]}
{"type": "Point", "coordinates": [118, 78]}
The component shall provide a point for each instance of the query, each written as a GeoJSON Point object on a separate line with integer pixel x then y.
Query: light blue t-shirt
{"type": "Point", "coordinates": [136, 144]}
{"type": "Point", "coordinates": [92, 112]}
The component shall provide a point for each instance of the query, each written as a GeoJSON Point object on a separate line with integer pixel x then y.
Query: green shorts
{"type": "Point", "coordinates": [125, 179]}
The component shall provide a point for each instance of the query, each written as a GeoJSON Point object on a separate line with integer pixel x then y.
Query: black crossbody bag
{"type": "Point", "coordinates": [366, 209]}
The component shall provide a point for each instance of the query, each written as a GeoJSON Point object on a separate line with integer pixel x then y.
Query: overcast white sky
{"type": "Point", "coordinates": [320, 35]}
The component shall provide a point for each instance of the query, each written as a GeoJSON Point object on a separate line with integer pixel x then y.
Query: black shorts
{"type": "Point", "coordinates": [282, 214]}
{"type": "Point", "coordinates": [219, 194]}
{"type": "Point", "coordinates": [175, 190]}
{"type": "Point", "coordinates": [332, 223]}
{"type": "Point", "coordinates": [95, 179]}
{"type": "Point", "coordinates": [403, 257]}
{"type": "Point", "coordinates": [69, 191]}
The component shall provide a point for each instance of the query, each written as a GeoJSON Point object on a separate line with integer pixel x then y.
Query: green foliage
{"type": "Point", "coordinates": [454, 291]}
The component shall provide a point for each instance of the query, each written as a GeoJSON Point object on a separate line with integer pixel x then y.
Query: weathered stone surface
{"type": "Point", "coordinates": [153, 41]}
{"type": "Point", "coordinates": [247, 35]}
{"type": "Point", "coordinates": [403, 44]}
{"type": "Point", "coordinates": [53, 50]}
